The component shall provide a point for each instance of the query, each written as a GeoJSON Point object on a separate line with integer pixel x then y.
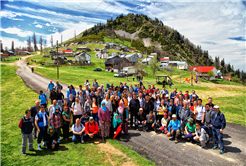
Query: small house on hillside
{"type": "Point", "coordinates": [117, 47]}
{"type": "Point", "coordinates": [173, 63]}
{"type": "Point", "coordinates": [102, 55]}
{"type": "Point", "coordinates": [153, 54]}
{"type": "Point", "coordinates": [125, 49]}
{"type": "Point", "coordinates": [182, 66]}
{"type": "Point", "coordinates": [10, 53]}
{"type": "Point", "coordinates": [83, 57]}
{"type": "Point", "coordinates": [20, 52]}
{"type": "Point", "coordinates": [98, 49]}
{"type": "Point", "coordinates": [114, 54]}
{"type": "Point", "coordinates": [140, 55]}
{"type": "Point", "coordinates": [122, 55]}
{"type": "Point", "coordinates": [116, 64]}
{"type": "Point", "coordinates": [202, 71]}
{"type": "Point", "coordinates": [165, 60]}
{"type": "Point", "coordinates": [104, 51]}
{"type": "Point", "coordinates": [4, 55]}
{"type": "Point", "coordinates": [83, 49]}
{"type": "Point", "coordinates": [146, 61]}
{"type": "Point", "coordinates": [111, 45]}
{"type": "Point", "coordinates": [133, 58]}
{"type": "Point", "coordinates": [61, 59]}
{"type": "Point", "coordinates": [69, 54]}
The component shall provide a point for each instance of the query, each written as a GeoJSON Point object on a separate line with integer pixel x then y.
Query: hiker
{"type": "Point", "coordinates": [190, 129]}
{"type": "Point", "coordinates": [200, 111]}
{"type": "Point", "coordinates": [94, 110]}
{"type": "Point", "coordinates": [193, 93]}
{"type": "Point", "coordinates": [194, 111]}
{"type": "Point", "coordinates": [141, 99]}
{"type": "Point", "coordinates": [164, 91]}
{"type": "Point", "coordinates": [99, 98]}
{"type": "Point", "coordinates": [87, 106]}
{"type": "Point", "coordinates": [95, 84]}
{"type": "Point", "coordinates": [147, 105]}
{"type": "Point", "coordinates": [34, 110]}
{"type": "Point", "coordinates": [104, 119]}
{"type": "Point", "coordinates": [53, 140]}
{"type": "Point", "coordinates": [184, 113]}
{"type": "Point", "coordinates": [151, 122]}
{"type": "Point", "coordinates": [51, 86]}
{"type": "Point", "coordinates": [127, 78]}
{"type": "Point", "coordinates": [108, 103]}
{"type": "Point", "coordinates": [170, 84]}
{"type": "Point", "coordinates": [174, 129]}
{"type": "Point", "coordinates": [218, 126]}
{"type": "Point", "coordinates": [116, 123]}
{"type": "Point", "coordinates": [173, 94]}
{"type": "Point", "coordinates": [71, 90]}
{"type": "Point", "coordinates": [87, 83]}
{"type": "Point", "coordinates": [210, 102]}
{"type": "Point", "coordinates": [52, 95]}
{"type": "Point", "coordinates": [201, 135]}
{"type": "Point", "coordinates": [58, 86]}
{"type": "Point", "coordinates": [78, 130]}
{"type": "Point", "coordinates": [160, 110]}
{"type": "Point", "coordinates": [41, 122]}
{"type": "Point", "coordinates": [172, 109]}
{"type": "Point", "coordinates": [56, 121]}
{"type": "Point", "coordinates": [52, 108]}
{"type": "Point", "coordinates": [123, 115]}
{"type": "Point", "coordinates": [157, 101]}
{"type": "Point", "coordinates": [59, 97]}
{"type": "Point", "coordinates": [209, 111]}
{"type": "Point", "coordinates": [132, 77]}
{"type": "Point", "coordinates": [140, 119]}
{"type": "Point", "coordinates": [43, 98]}
{"type": "Point", "coordinates": [91, 128]}
{"type": "Point", "coordinates": [134, 106]}
{"type": "Point", "coordinates": [84, 119]}
{"type": "Point", "coordinates": [76, 109]}
{"type": "Point", "coordinates": [164, 123]}
{"type": "Point", "coordinates": [32, 69]}
{"type": "Point", "coordinates": [81, 98]}
{"type": "Point", "coordinates": [66, 121]}
{"type": "Point", "coordinates": [26, 126]}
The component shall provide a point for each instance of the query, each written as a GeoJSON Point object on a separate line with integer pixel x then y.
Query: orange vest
{"type": "Point", "coordinates": [94, 106]}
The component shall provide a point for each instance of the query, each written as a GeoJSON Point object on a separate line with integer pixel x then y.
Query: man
{"type": "Point", "coordinates": [52, 107]}
{"type": "Point", "coordinates": [95, 84]}
{"type": "Point", "coordinates": [100, 92]}
{"type": "Point", "coordinates": [87, 83]}
{"type": "Point", "coordinates": [141, 99]}
{"type": "Point", "coordinates": [77, 109]}
{"type": "Point", "coordinates": [149, 90]}
{"type": "Point", "coordinates": [151, 98]}
{"type": "Point", "coordinates": [131, 89]}
{"type": "Point", "coordinates": [201, 135]}
{"type": "Point", "coordinates": [134, 106]}
{"type": "Point", "coordinates": [167, 101]}
{"type": "Point", "coordinates": [147, 105]}
{"type": "Point", "coordinates": [52, 95]}
{"type": "Point", "coordinates": [98, 99]}
{"type": "Point", "coordinates": [108, 103]}
{"type": "Point", "coordinates": [174, 129]}
{"type": "Point", "coordinates": [78, 130]}
{"type": "Point", "coordinates": [193, 99]}
{"type": "Point", "coordinates": [129, 98]}
{"type": "Point", "coordinates": [140, 119]}
{"type": "Point", "coordinates": [172, 109]}
{"type": "Point", "coordinates": [41, 122]}
{"type": "Point", "coordinates": [87, 106]}
{"type": "Point", "coordinates": [184, 114]}
{"type": "Point", "coordinates": [126, 86]}
{"type": "Point", "coordinates": [136, 88]}
{"type": "Point", "coordinates": [91, 128]}
{"type": "Point", "coordinates": [43, 98]}
{"type": "Point", "coordinates": [164, 82]}
{"type": "Point", "coordinates": [164, 91]}
{"type": "Point", "coordinates": [151, 122]}
{"type": "Point", "coordinates": [140, 82]}
{"type": "Point", "coordinates": [71, 90]}
{"type": "Point", "coordinates": [193, 93]}
{"type": "Point", "coordinates": [59, 97]}
{"type": "Point", "coordinates": [84, 119]}
{"type": "Point", "coordinates": [93, 95]}
{"type": "Point", "coordinates": [173, 94]}
{"type": "Point", "coordinates": [34, 110]}
{"type": "Point", "coordinates": [209, 111]}
{"type": "Point", "coordinates": [200, 111]}
{"type": "Point", "coordinates": [51, 86]}
{"type": "Point", "coordinates": [218, 126]}
{"type": "Point", "coordinates": [58, 86]}
{"type": "Point", "coordinates": [210, 102]}
{"type": "Point", "coordinates": [80, 89]}
{"type": "Point", "coordinates": [26, 126]}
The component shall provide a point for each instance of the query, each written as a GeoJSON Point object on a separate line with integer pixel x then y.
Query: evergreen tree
{"type": "Point", "coordinates": [13, 46]}
{"type": "Point", "coordinates": [34, 42]}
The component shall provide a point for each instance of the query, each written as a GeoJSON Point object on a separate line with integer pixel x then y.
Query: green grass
{"type": "Point", "coordinates": [12, 59]}
{"type": "Point", "coordinates": [117, 41]}
{"type": "Point", "coordinates": [14, 102]}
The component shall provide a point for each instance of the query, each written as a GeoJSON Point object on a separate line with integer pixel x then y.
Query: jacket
{"type": "Point", "coordinates": [134, 106]}
{"type": "Point", "coordinates": [26, 125]}
{"type": "Point", "coordinates": [91, 128]}
{"type": "Point", "coordinates": [208, 116]}
{"type": "Point", "coordinates": [153, 119]}
{"type": "Point", "coordinates": [175, 125]}
{"type": "Point", "coordinates": [148, 106]}
{"type": "Point", "coordinates": [34, 110]}
{"type": "Point", "coordinates": [218, 120]}
{"type": "Point", "coordinates": [185, 113]}
{"type": "Point", "coordinates": [141, 117]}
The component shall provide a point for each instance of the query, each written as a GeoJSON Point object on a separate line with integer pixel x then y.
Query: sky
{"type": "Point", "coordinates": [218, 26]}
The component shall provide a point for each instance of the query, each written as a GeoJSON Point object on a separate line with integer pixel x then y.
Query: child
{"type": "Point", "coordinates": [127, 78]}
{"type": "Point", "coordinates": [201, 135]}
{"type": "Point", "coordinates": [116, 123]}
{"type": "Point", "coordinates": [164, 123]}
{"type": "Point", "coordinates": [190, 129]}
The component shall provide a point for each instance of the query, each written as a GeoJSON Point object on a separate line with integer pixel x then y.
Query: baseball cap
{"type": "Point", "coordinates": [167, 95]}
{"type": "Point", "coordinates": [174, 116]}
{"type": "Point", "coordinates": [216, 106]}
{"type": "Point", "coordinates": [91, 118]}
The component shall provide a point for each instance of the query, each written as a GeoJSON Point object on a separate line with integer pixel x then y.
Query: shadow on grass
{"type": "Point", "coordinates": [46, 151]}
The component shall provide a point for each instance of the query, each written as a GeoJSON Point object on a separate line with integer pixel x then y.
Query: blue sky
{"type": "Point", "coordinates": [218, 26]}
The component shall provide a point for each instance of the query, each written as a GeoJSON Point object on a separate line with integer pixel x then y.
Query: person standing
{"type": "Point", "coordinates": [77, 109]}
{"type": "Point", "coordinates": [134, 106]}
{"type": "Point", "coordinates": [52, 95]}
{"type": "Point", "coordinates": [26, 126]}
{"type": "Point", "coordinates": [108, 103]}
{"type": "Point", "coordinates": [133, 78]}
{"type": "Point", "coordinates": [71, 90]}
{"type": "Point", "coordinates": [56, 121]}
{"type": "Point", "coordinates": [123, 115]}
{"type": "Point", "coordinates": [59, 97]}
{"type": "Point", "coordinates": [66, 121]}
{"type": "Point", "coordinates": [87, 106]}
{"type": "Point", "coordinates": [184, 114]}
{"type": "Point", "coordinates": [58, 86]}
{"type": "Point", "coordinates": [51, 86]}
{"type": "Point", "coordinates": [95, 84]}
{"type": "Point", "coordinates": [200, 112]}
{"type": "Point", "coordinates": [43, 98]}
{"type": "Point", "coordinates": [94, 109]}
{"type": "Point", "coordinates": [104, 119]}
{"type": "Point", "coordinates": [34, 110]}
{"type": "Point", "coordinates": [147, 105]}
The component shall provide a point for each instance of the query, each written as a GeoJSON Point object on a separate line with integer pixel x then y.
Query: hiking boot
{"type": "Point", "coordinates": [221, 151]}
{"type": "Point", "coordinates": [39, 147]}
{"type": "Point", "coordinates": [215, 148]}
{"type": "Point", "coordinates": [44, 144]}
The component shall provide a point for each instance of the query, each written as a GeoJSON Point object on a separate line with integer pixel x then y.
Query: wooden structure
{"type": "Point", "coordinates": [165, 78]}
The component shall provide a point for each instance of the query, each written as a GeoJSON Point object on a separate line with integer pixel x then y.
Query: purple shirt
{"type": "Point", "coordinates": [104, 116]}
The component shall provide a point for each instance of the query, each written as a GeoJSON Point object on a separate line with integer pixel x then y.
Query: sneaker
{"type": "Point", "coordinates": [82, 142]}
{"type": "Point", "coordinates": [24, 154]}
{"type": "Point", "coordinates": [44, 144]}
{"type": "Point", "coordinates": [215, 148]}
{"type": "Point", "coordinates": [39, 148]}
{"type": "Point", "coordinates": [221, 151]}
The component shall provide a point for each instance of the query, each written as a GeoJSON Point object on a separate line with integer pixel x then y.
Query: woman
{"type": "Point", "coordinates": [102, 88]}
{"type": "Point", "coordinates": [81, 98]}
{"type": "Point", "coordinates": [123, 115]}
{"type": "Point", "coordinates": [116, 123]}
{"type": "Point", "coordinates": [71, 100]}
{"type": "Point", "coordinates": [104, 119]}
{"type": "Point", "coordinates": [157, 101]}
{"type": "Point", "coordinates": [56, 121]}
{"type": "Point", "coordinates": [160, 110]}
{"type": "Point", "coordinates": [66, 121]}
{"type": "Point", "coordinates": [112, 102]}
{"type": "Point", "coordinates": [117, 102]}
{"type": "Point", "coordinates": [187, 99]}
{"type": "Point", "coordinates": [94, 111]}
{"type": "Point", "coordinates": [53, 139]}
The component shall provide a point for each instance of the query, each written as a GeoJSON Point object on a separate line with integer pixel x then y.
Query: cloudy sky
{"type": "Point", "coordinates": [218, 26]}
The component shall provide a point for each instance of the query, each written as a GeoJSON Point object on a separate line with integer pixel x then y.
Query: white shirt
{"type": "Point", "coordinates": [129, 99]}
{"type": "Point", "coordinates": [141, 101]}
{"type": "Point", "coordinates": [77, 129]}
{"type": "Point", "coordinates": [200, 110]}
{"type": "Point", "coordinates": [52, 110]}
{"type": "Point", "coordinates": [77, 109]}
{"type": "Point", "coordinates": [108, 104]}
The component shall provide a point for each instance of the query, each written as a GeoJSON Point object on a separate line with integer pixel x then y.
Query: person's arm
{"type": "Point", "coordinates": [20, 123]}
{"type": "Point", "coordinates": [178, 123]}
{"type": "Point", "coordinates": [47, 101]}
{"type": "Point", "coordinates": [223, 124]}
{"type": "Point", "coordinates": [186, 129]}
{"type": "Point", "coordinates": [126, 114]}
{"type": "Point", "coordinates": [36, 124]}
{"type": "Point", "coordinates": [64, 118]}
{"type": "Point", "coordinates": [169, 127]}
{"type": "Point", "coordinates": [51, 120]}
{"type": "Point", "coordinates": [48, 87]}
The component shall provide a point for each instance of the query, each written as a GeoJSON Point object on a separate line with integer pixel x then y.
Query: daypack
{"type": "Point", "coordinates": [207, 131]}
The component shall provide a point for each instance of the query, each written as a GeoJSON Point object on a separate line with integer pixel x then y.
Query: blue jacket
{"type": "Point", "coordinates": [175, 125]}
{"type": "Point", "coordinates": [218, 120]}
{"type": "Point", "coordinates": [173, 95]}
{"type": "Point", "coordinates": [71, 92]}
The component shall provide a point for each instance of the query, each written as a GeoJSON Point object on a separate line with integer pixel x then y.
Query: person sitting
{"type": "Point", "coordinates": [164, 123]}
{"type": "Point", "coordinates": [174, 128]}
{"type": "Point", "coordinates": [84, 119]}
{"type": "Point", "coordinates": [91, 128]}
{"type": "Point", "coordinates": [116, 123]}
{"type": "Point", "coordinates": [150, 122]}
{"type": "Point", "coordinates": [141, 118]}
{"type": "Point", "coordinates": [78, 130]}
{"type": "Point", "coordinates": [190, 129]}
{"type": "Point", "coordinates": [53, 139]}
{"type": "Point", "coordinates": [201, 135]}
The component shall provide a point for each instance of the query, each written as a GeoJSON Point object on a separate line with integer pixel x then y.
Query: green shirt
{"type": "Point", "coordinates": [67, 115]}
{"type": "Point", "coordinates": [191, 128]}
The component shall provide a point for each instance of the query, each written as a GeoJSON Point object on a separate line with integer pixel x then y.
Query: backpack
{"type": "Point", "coordinates": [207, 131]}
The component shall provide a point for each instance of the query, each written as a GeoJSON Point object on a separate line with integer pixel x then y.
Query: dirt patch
{"type": "Point", "coordinates": [109, 150]}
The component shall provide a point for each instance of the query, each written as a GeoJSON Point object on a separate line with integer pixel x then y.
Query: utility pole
{"type": "Point", "coordinates": [61, 39]}
{"type": "Point", "coordinates": [57, 59]}
{"type": "Point", "coordinates": [75, 36]}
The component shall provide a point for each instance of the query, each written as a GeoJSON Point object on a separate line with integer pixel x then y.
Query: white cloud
{"type": "Point", "coordinates": [38, 26]}
{"type": "Point", "coordinates": [47, 24]}
{"type": "Point", "coordinates": [7, 42]}
{"type": "Point", "coordinates": [17, 31]}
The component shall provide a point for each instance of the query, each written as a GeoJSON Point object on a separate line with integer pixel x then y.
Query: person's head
{"type": "Point", "coordinates": [65, 102]}
{"type": "Point", "coordinates": [95, 80]}
{"type": "Point", "coordinates": [77, 99]}
{"type": "Point", "coordinates": [59, 90]}
{"type": "Point", "coordinates": [88, 98]}
{"type": "Point", "coordinates": [103, 104]}
{"type": "Point", "coordinates": [199, 101]}
{"type": "Point", "coordinates": [71, 96]}
{"type": "Point", "coordinates": [80, 93]}
{"type": "Point", "coordinates": [141, 110]}
{"type": "Point", "coordinates": [51, 130]}
{"type": "Point", "coordinates": [116, 97]}
{"type": "Point", "coordinates": [57, 109]}
{"type": "Point", "coordinates": [195, 103]}
{"type": "Point", "coordinates": [185, 104]}
{"type": "Point", "coordinates": [53, 89]}
{"type": "Point", "coordinates": [180, 92]}
{"type": "Point", "coordinates": [158, 96]}
{"type": "Point", "coordinates": [150, 94]}
{"type": "Point", "coordinates": [177, 95]}
{"type": "Point", "coordinates": [54, 102]}
{"type": "Point", "coordinates": [77, 121]}
{"type": "Point", "coordinates": [92, 93]}
{"type": "Point", "coordinates": [147, 97]}
{"type": "Point", "coordinates": [51, 82]}
{"type": "Point", "coordinates": [187, 92]}
{"type": "Point", "coordinates": [140, 95]}
{"type": "Point", "coordinates": [70, 87]}
{"type": "Point", "coordinates": [150, 113]}
{"type": "Point", "coordinates": [107, 96]}
{"type": "Point", "coordinates": [84, 114]}
{"type": "Point", "coordinates": [134, 96]}
{"type": "Point", "coordinates": [193, 97]}
{"type": "Point", "coordinates": [28, 113]}
{"type": "Point", "coordinates": [216, 108]}
{"type": "Point", "coordinates": [174, 117]}
{"type": "Point", "coordinates": [181, 101]}
{"type": "Point", "coordinates": [87, 80]}
{"type": "Point", "coordinates": [42, 108]}
{"type": "Point", "coordinates": [207, 106]}
{"type": "Point", "coordinates": [65, 108]}
{"type": "Point", "coordinates": [41, 92]}
{"type": "Point", "coordinates": [175, 89]}
{"type": "Point", "coordinates": [164, 88]}
{"type": "Point", "coordinates": [87, 87]}
{"type": "Point", "coordinates": [190, 121]}
{"type": "Point", "coordinates": [162, 102]}
{"type": "Point", "coordinates": [91, 120]}
{"type": "Point", "coordinates": [80, 87]}
{"type": "Point", "coordinates": [149, 86]}
{"type": "Point", "coordinates": [210, 100]}
{"type": "Point", "coordinates": [116, 116]}
{"type": "Point", "coordinates": [56, 82]}
{"type": "Point", "coordinates": [193, 92]}
{"type": "Point", "coordinates": [130, 95]}
{"type": "Point", "coordinates": [125, 83]}
{"type": "Point", "coordinates": [198, 125]}
{"type": "Point", "coordinates": [167, 97]}
{"type": "Point", "coordinates": [171, 102]}
{"type": "Point", "coordinates": [37, 103]}
{"type": "Point", "coordinates": [165, 115]}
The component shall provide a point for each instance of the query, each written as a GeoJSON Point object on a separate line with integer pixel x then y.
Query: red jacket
{"type": "Point", "coordinates": [91, 128]}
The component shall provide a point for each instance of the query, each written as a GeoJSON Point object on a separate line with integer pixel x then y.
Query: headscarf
{"type": "Point", "coordinates": [55, 110]}
{"type": "Point", "coordinates": [104, 108]}
{"type": "Point", "coordinates": [112, 100]}
{"type": "Point", "coordinates": [116, 121]}
{"type": "Point", "coordinates": [121, 108]}
{"type": "Point", "coordinates": [107, 85]}
{"type": "Point", "coordinates": [51, 134]}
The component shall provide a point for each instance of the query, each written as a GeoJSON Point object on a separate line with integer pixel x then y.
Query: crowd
{"type": "Point", "coordinates": [98, 111]}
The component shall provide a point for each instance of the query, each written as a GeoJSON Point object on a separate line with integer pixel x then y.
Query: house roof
{"type": "Point", "coordinates": [174, 62]}
{"type": "Point", "coordinates": [20, 51]}
{"type": "Point", "coordinates": [115, 60]}
{"type": "Point", "coordinates": [67, 50]}
{"type": "Point", "coordinates": [164, 59]}
{"type": "Point", "coordinates": [146, 59]}
{"type": "Point", "coordinates": [204, 69]}
{"type": "Point", "coordinates": [181, 63]}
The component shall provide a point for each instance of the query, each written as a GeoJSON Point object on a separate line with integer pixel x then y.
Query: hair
{"type": "Point", "coordinates": [200, 100]}
{"type": "Point", "coordinates": [77, 119]}
{"type": "Point", "coordinates": [209, 98]}
{"type": "Point", "coordinates": [37, 101]}
{"type": "Point", "coordinates": [207, 104]}
{"type": "Point", "coordinates": [41, 91]}
{"type": "Point", "coordinates": [198, 122]}
{"type": "Point", "coordinates": [27, 111]}
{"type": "Point", "coordinates": [88, 97]}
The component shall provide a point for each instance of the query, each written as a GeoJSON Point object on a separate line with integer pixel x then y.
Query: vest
{"type": "Point", "coordinates": [40, 119]}
{"type": "Point", "coordinates": [27, 125]}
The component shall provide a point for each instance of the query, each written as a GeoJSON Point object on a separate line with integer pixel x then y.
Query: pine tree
{"type": "Point", "coordinates": [2, 50]}
{"type": "Point", "coordinates": [13, 46]}
{"type": "Point", "coordinates": [35, 42]}
{"type": "Point", "coordinates": [41, 44]}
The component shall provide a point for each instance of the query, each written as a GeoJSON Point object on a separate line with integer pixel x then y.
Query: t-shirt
{"type": "Point", "coordinates": [164, 122]}
{"type": "Point", "coordinates": [191, 128]}
{"type": "Point", "coordinates": [67, 115]}
{"type": "Point", "coordinates": [42, 98]}
{"type": "Point", "coordinates": [77, 109]}
{"type": "Point", "coordinates": [77, 129]}
{"type": "Point", "coordinates": [200, 110]}
{"type": "Point", "coordinates": [51, 86]}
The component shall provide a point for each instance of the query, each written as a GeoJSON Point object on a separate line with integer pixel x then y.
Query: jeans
{"type": "Point", "coordinates": [75, 137]}
{"type": "Point", "coordinates": [149, 125]}
{"type": "Point", "coordinates": [136, 125]}
{"type": "Point", "coordinates": [218, 138]}
{"type": "Point", "coordinates": [24, 142]}
{"type": "Point", "coordinates": [59, 102]}
{"type": "Point", "coordinates": [95, 117]}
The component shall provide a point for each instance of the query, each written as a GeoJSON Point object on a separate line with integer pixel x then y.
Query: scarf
{"type": "Point", "coordinates": [55, 110]}
{"type": "Point", "coordinates": [112, 99]}
{"type": "Point", "coordinates": [121, 108]}
{"type": "Point", "coordinates": [51, 134]}
{"type": "Point", "coordinates": [116, 121]}
{"type": "Point", "coordinates": [104, 108]}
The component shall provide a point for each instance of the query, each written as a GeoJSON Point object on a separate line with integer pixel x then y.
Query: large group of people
{"type": "Point", "coordinates": [98, 111]}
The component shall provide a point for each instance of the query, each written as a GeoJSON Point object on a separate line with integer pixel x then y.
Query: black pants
{"type": "Point", "coordinates": [65, 129]}
{"type": "Point", "coordinates": [75, 117]}
{"type": "Point", "coordinates": [176, 134]}
{"type": "Point", "coordinates": [135, 115]}
{"type": "Point", "coordinates": [50, 146]}
{"type": "Point", "coordinates": [149, 126]}
{"type": "Point", "coordinates": [34, 128]}
{"type": "Point", "coordinates": [42, 134]}
{"type": "Point", "coordinates": [159, 117]}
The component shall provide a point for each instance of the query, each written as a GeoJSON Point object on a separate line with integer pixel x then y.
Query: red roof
{"type": "Point", "coordinates": [202, 69]}
{"type": "Point", "coordinates": [227, 77]}
{"type": "Point", "coordinates": [66, 50]}
{"type": "Point", "coordinates": [164, 59]}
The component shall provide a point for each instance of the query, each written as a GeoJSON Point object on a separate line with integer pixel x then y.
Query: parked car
{"type": "Point", "coordinates": [97, 69]}
{"type": "Point", "coordinates": [120, 74]}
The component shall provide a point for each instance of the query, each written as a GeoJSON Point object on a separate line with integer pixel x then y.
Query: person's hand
{"type": "Point", "coordinates": [152, 125]}
{"type": "Point", "coordinates": [38, 130]}
{"type": "Point", "coordinates": [202, 121]}
{"type": "Point", "coordinates": [115, 132]}
{"type": "Point", "coordinates": [169, 117]}
{"type": "Point", "coordinates": [221, 131]}
{"type": "Point", "coordinates": [193, 134]}
{"type": "Point", "coordinates": [196, 112]}
{"type": "Point", "coordinates": [53, 146]}
{"type": "Point", "coordinates": [144, 122]}
{"type": "Point", "coordinates": [126, 120]}
{"type": "Point", "coordinates": [54, 141]}
{"type": "Point", "coordinates": [197, 138]}
{"type": "Point", "coordinates": [138, 122]}
{"type": "Point", "coordinates": [169, 134]}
